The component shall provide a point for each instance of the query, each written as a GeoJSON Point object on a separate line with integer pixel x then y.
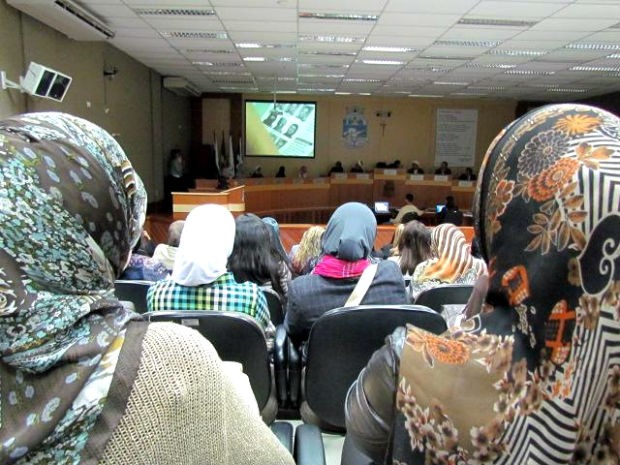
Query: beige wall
{"type": "Point", "coordinates": [147, 120]}
{"type": "Point", "coordinates": [409, 132]}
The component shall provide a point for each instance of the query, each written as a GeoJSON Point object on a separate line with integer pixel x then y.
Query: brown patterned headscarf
{"type": "Point", "coordinates": [536, 380]}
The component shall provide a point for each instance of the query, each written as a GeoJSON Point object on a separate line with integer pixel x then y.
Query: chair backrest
{"type": "Point", "coordinates": [133, 291]}
{"type": "Point", "coordinates": [236, 337]}
{"type": "Point", "coordinates": [454, 217]}
{"type": "Point", "coordinates": [276, 312]}
{"type": "Point", "coordinates": [445, 294]}
{"type": "Point", "coordinates": [340, 344]}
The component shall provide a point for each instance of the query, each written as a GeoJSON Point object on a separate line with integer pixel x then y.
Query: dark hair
{"type": "Point", "coordinates": [450, 202]}
{"type": "Point", "coordinates": [414, 246]}
{"type": "Point", "coordinates": [409, 197]}
{"type": "Point", "coordinates": [252, 258]}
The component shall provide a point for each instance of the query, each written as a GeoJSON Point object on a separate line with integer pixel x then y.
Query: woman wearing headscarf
{"type": "Point", "coordinates": [346, 246]}
{"type": "Point", "coordinates": [537, 378]}
{"type": "Point", "coordinates": [82, 378]}
{"type": "Point", "coordinates": [200, 279]}
{"type": "Point", "coordinates": [452, 261]}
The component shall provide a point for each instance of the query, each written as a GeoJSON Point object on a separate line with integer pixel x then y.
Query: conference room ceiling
{"type": "Point", "coordinates": [525, 49]}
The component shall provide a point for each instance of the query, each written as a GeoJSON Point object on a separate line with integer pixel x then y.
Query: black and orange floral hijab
{"type": "Point", "coordinates": [536, 380]}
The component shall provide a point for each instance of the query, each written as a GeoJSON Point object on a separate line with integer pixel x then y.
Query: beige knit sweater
{"type": "Point", "coordinates": [185, 409]}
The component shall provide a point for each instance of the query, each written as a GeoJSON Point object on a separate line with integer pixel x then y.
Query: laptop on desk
{"type": "Point", "coordinates": [382, 208]}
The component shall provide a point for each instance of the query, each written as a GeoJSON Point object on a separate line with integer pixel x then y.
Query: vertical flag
{"type": "Point", "coordinates": [223, 155]}
{"type": "Point", "coordinates": [231, 155]}
{"type": "Point", "coordinates": [216, 153]}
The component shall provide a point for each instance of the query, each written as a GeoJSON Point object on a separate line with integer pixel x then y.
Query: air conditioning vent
{"type": "Point", "coordinates": [181, 86]}
{"type": "Point", "coordinates": [67, 17]}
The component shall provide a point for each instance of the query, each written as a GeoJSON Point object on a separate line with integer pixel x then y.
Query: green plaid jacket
{"type": "Point", "coordinates": [223, 294]}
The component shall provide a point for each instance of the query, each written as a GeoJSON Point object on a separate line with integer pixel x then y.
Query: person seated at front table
{"type": "Point", "coordinates": [409, 207]}
{"type": "Point", "coordinates": [468, 175]}
{"type": "Point", "coordinates": [358, 167]}
{"type": "Point", "coordinates": [281, 173]}
{"type": "Point", "coordinates": [443, 169]}
{"type": "Point", "coordinates": [346, 246]}
{"type": "Point", "coordinates": [84, 379]}
{"type": "Point", "coordinates": [200, 279]}
{"type": "Point", "coordinates": [337, 168]}
{"type": "Point", "coordinates": [415, 168]}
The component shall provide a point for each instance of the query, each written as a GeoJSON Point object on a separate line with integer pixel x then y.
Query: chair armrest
{"type": "Point", "coordinates": [280, 364]}
{"type": "Point", "coordinates": [309, 448]}
{"type": "Point", "coordinates": [284, 432]}
{"type": "Point", "coordinates": [294, 374]}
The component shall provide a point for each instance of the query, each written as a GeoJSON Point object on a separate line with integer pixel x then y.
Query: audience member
{"type": "Point", "coordinates": [281, 173]}
{"type": "Point", "coordinates": [251, 258]}
{"type": "Point", "coordinates": [280, 255]}
{"type": "Point", "coordinates": [142, 266]}
{"type": "Point", "coordinates": [337, 168]}
{"type": "Point", "coordinates": [305, 255]}
{"type": "Point", "coordinates": [165, 253]}
{"type": "Point", "coordinates": [535, 380]}
{"type": "Point", "coordinates": [303, 172]}
{"type": "Point", "coordinates": [200, 280]}
{"type": "Point", "coordinates": [346, 246]}
{"type": "Point", "coordinates": [415, 168]}
{"type": "Point", "coordinates": [468, 175]}
{"type": "Point", "coordinates": [390, 249]}
{"type": "Point", "coordinates": [413, 247]}
{"type": "Point", "coordinates": [443, 169]}
{"type": "Point", "coordinates": [409, 207]}
{"type": "Point", "coordinates": [451, 262]}
{"type": "Point", "coordinates": [447, 210]}
{"type": "Point", "coordinates": [84, 379]}
{"type": "Point", "coordinates": [257, 173]}
{"type": "Point", "coordinates": [358, 167]}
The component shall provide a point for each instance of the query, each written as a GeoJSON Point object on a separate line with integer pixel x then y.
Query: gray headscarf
{"type": "Point", "coordinates": [350, 233]}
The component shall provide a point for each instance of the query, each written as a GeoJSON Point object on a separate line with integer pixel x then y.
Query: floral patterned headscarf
{"type": "Point", "coordinates": [72, 208]}
{"type": "Point", "coordinates": [536, 380]}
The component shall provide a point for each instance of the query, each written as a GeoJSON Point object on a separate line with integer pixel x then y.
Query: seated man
{"type": "Point", "coordinates": [165, 253]}
{"type": "Point", "coordinates": [409, 207]}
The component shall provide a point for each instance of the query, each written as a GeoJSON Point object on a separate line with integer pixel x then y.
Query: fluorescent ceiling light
{"type": "Point", "coordinates": [490, 65]}
{"type": "Point", "coordinates": [329, 76]}
{"type": "Point", "coordinates": [425, 95]}
{"type": "Point", "coordinates": [248, 45]}
{"type": "Point", "coordinates": [496, 22]}
{"type": "Point", "coordinates": [204, 50]}
{"type": "Point", "coordinates": [364, 93]}
{"type": "Point", "coordinates": [468, 43]}
{"type": "Point", "coordinates": [597, 69]}
{"type": "Point", "coordinates": [228, 73]}
{"type": "Point", "coordinates": [378, 48]}
{"type": "Point", "coordinates": [516, 53]}
{"type": "Point", "coordinates": [613, 56]}
{"type": "Point", "coordinates": [339, 16]}
{"type": "Point", "coordinates": [530, 72]}
{"type": "Point", "coordinates": [592, 46]}
{"type": "Point", "coordinates": [448, 83]}
{"type": "Point", "coordinates": [309, 89]}
{"type": "Point", "coordinates": [331, 39]}
{"type": "Point", "coordinates": [330, 54]}
{"type": "Point", "coordinates": [194, 35]}
{"type": "Point", "coordinates": [174, 11]}
{"type": "Point", "coordinates": [361, 80]}
{"type": "Point", "coordinates": [560, 89]}
{"type": "Point", "coordinates": [254, 58]}
{"type": "Point", "coordinates": [342, 93]}
{"type": "Point", "coordinates": [202, 63]}
{"type": "Point", "coordinates": [381, 62]}
{"type": "Point", "coordinates": [286, 92]}
{"type": "Point", "coordinates": [489, 88]}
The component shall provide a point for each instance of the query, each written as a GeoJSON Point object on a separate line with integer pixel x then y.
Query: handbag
{"type": "Point", "coordinates": [362, 286]}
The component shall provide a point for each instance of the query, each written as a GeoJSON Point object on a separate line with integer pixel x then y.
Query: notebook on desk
{"type": "Point", "coordinates": [382, 207]}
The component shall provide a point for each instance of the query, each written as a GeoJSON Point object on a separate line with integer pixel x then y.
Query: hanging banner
{"type": "Point", "coordinates": [354, 128]}
{"type": "Point", "coordinates": [455, 137]}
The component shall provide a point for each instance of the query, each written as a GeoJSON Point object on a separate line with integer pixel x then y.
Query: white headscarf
{"type": "Point", "coordinates": [206, 242]}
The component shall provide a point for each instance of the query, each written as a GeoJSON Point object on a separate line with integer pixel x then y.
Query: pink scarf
{"type": "Point", "coordinates": [332, 267]}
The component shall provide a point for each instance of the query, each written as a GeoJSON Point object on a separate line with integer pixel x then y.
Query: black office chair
{"type": "Point", "coordinates": [340, 344]}
{"type": "Point", "coordinates": [133, 291]}
{"type": "Point", "coordinates": [237, 337]}
{"type": "Point", "coordinates": [276, 311]}
{"type": "Point", "coordinates": [446, 294]}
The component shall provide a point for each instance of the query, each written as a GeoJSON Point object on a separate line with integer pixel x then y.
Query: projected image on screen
{"type": "Point", "coordinates": [283, 129]}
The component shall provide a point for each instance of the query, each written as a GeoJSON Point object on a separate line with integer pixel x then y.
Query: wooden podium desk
{"type": "Point", "coordinates": [184, 202]}
{"type": "Point", "coordinates": [350, 187]}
